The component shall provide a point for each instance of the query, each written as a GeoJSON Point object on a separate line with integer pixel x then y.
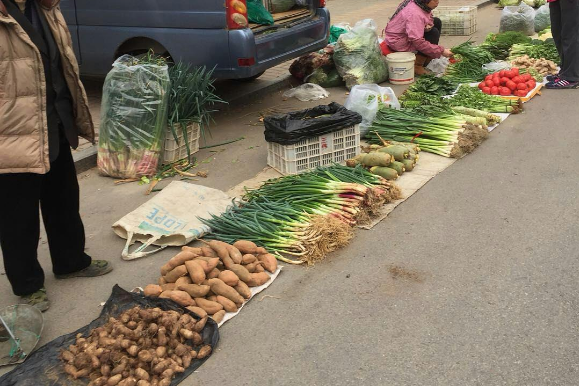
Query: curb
{"type": "Point", "coordinates": [86, 159]}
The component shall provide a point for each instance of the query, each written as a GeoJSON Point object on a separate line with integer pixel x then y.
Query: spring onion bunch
{"type": "Point", "coordinates": [306, 215]}
{"type": "Point", "coordinates": [467, 96]}
{"type": "Point", "coordinates": [438, 132]}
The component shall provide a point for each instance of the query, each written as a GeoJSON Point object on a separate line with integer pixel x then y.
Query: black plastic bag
{"type": "Point", "coordinates": [44, 368]}
{"type": "Point", "coordinates": [294, 127]}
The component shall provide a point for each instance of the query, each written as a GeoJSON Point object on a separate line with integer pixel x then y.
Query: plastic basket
{"type": "Point", "coordinates": [313, 152]}
{"type": "Point", "coordinates": [457, 21]}
{"type": "Point", "coordinates": [174, 151]}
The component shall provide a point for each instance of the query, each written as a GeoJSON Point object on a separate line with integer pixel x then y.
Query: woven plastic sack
{"type": "Point", "coordinates": [367, 99]}
{"type": "Point", "coordinates": [277, 6]}
{"type": "Point", "coordinates": [521, 19]}
{"type": "Point", "coordinates": [542, 18]}
{"type": "Point", "coordinates": [133, 118]}
{"type": "Point", "coordinates": [358, 56]}
{"type": "Point", "coordinates": [256, 13]}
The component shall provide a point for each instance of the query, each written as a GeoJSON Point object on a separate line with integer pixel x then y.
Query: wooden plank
{"type": "Point", "coordinates": [285, 17]}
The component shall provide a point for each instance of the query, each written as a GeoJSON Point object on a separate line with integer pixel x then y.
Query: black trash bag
{"type": "Point", "coordinates": [44, 368]}
{"type": "Point", "coordinates": [294, 127]}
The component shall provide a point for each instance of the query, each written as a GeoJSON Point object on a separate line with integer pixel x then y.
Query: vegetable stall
{"type": "Point", "coordinates": [164, 332]}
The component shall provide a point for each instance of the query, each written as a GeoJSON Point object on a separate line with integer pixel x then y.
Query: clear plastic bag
{"type": "Point", "coordinates": [133, 118]}
{"type": "Point", "coordinates": [542, 18]}
{"type": "Point", "coordinates": [367, 99]}
{"type": "Point", "coordinates": [325, 77]}
{"type": "Point", "coordinates": [438, 66]}
{"type": "Point", "coordinates": [521, 19]}
{"type": "Point", "coordinates": [497, 66]}
{"type": "Point", "coordinates": [358, 56]}
{"type": "Point", "coordinates": [307, 92]}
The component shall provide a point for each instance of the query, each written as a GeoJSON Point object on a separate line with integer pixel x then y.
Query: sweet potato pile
{"type": "Point", "coordinates": [142, 347]}
{"type": "Point", "coordinates": [214, 279]}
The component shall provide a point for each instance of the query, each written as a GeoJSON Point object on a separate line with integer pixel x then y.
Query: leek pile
{"type": "Point", "coordinates": [448, 135]}
{"type": "Point", "coordinates": [307, 215]}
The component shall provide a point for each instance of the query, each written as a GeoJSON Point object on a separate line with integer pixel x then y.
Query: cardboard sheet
{"type": "Point", "coordinates": [254, 292]}
{"type": "Point", "coordinates": [428, 166]}
{"type": "Point", "coordinates": [266, 174]}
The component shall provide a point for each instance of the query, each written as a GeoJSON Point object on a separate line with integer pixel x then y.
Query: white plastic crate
{"type": "Point", "coordinates": [457, 21]}
{"type": "Point", "coordinates": [313, 152]}
{"type": "Point", "coordinates": [174, 151]}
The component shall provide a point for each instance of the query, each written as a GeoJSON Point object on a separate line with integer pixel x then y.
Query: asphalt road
{"type": "Point", "coordinates": [471, 281]}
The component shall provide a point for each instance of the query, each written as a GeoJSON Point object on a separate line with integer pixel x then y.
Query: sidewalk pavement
{"type": "Point", "coordinates": [274, 79]}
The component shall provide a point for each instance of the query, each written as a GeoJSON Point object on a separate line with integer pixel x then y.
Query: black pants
{"type": "Point", "coordinates": [565, 30]}
{"type": "Point", "coordinates": [57, 193]}
{"type": "Point", "coordinates": [433, 36]}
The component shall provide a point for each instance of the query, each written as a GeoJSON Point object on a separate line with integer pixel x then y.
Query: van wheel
{"type": "Point", "coordinates": [251, 78]}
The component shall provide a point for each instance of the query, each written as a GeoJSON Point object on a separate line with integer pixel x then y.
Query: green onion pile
{"type": "Point", "coordinates": [448, 135]}
{"type": "Point", "coordinates": [307, 215]}
{"type": "Point", "coordinates": [468, 96]}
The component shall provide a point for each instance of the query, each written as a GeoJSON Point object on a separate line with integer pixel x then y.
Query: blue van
{"type": "Point", "coordinates": [212, 33]}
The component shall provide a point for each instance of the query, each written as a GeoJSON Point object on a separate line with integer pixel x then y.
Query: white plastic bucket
{"type": "Point", "coordinates": [401, 67]}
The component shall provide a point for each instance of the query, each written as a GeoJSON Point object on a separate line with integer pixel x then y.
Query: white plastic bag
{"type": "Point", "coordinates": [307, 92]}
{"type": "Point", "coordinates": [366, 99]}
{"type": "Point", "coordinates": [497, 66]}
{"type": "Point", "coordinates": [438, 66]}
{"type": "Point", "coordinates": [521, 19]}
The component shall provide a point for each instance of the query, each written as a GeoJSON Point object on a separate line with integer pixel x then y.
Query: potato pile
{"type": "Point", "coordinates": [214, 279]}
{"type": "Point", "coordinates": [142, 347]}
{"type": "Point", "coordinates": [543, 66]}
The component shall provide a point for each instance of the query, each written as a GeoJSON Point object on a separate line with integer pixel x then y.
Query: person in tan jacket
{"type": "Point", "coordinates": [43, 111]}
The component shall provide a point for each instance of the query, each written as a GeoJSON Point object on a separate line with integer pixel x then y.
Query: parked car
{"type": "Point", "coordinates": [212, 33]}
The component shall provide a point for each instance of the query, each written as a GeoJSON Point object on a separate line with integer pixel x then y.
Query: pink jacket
{"type": "Point", "coordinates": [405, 32]}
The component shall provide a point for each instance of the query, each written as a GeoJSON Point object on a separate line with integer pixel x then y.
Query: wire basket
{"type": "Point", "coordinates": [313, 152]}
{"type": "Point", "coordinates": [457, 21]}
{"type": "Point", "coordinates": [177, 150]}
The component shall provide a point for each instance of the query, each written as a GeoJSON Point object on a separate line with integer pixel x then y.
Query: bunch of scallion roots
{"type": "Point", "coordinates": [437, 131]}
{"type": "Point", "coordinates": [305, 216]}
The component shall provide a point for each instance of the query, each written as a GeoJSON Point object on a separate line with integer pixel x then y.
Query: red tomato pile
{"type": "Point", "coordinates": [508, 82]}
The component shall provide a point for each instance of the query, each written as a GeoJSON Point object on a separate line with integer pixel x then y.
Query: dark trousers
{"type": "Point", "coordinates": [565, 30]}
{"type": "Point", "coordinates": [433, 36]}
{"type": "Point", "coordinates": [57, 193]}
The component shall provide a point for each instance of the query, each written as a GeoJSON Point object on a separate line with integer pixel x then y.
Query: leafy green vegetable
{"type": "Point", "coordinates": [509, 3]}
{"type": "Point", "coordinates": [190, 99]}
{"type": "Point", "coordinates": [434, 85]}
{"type": "Point", "coordinates": [500, 44]}
{"type": "Point", "coordinates": [468, 68]}
{"type": "Point", "coordinates": [537, 49]}
{"type": "Point", "coordinates": [468, 96]}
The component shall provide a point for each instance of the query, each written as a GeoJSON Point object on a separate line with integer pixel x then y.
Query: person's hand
{"type": "Point", "coordinates": [428, 27]}
{"type": "Point", "coordinates": [447, 53]}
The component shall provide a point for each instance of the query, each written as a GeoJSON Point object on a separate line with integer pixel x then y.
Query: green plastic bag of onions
{"type": "Point", "coordinates": [133, 117]}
